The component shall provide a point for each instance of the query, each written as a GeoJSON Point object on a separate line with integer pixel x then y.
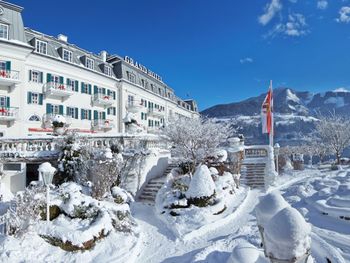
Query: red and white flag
{"type": "Point", "coordinates": [267, 112]}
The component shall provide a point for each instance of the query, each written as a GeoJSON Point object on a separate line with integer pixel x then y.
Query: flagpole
{"type": "Point", "coordinates": [272, 130]}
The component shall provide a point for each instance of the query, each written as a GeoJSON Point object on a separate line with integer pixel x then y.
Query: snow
{"type": "Point", "coordinates": [341, 90]}
{"type": "Point", "coordinates": [202, 185]}
{"type": "Point", "coordinates": [292, 97]}
{"type": "Point", "coordinates": [338, 101]}
{"type": "Point", "coordinates": [59, 119]}
{"type": "Point", "coordinates": [46, 168]}
{"type": "Point", "coordinates": [287, 235]}
{"type": "Point", "coordinates": [245, 252]}
{"type": "Point", "coordinates": [220, 155]}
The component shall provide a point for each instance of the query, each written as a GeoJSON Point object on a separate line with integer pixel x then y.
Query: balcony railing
{"type": "Point", "coordinates": [155, 112]}
{"type": "Point", "coordinates": [8, 113]}
{"type": "Point", "coordinates": [102, 124]}
{"type": "Point", "coordinates": [49, 117]}
{"type": "Point", "coordinates": [58, 89]}
{"type": "Point", "coordinates": [134, 106]}
{"type": "Point", "coordinates": [100, 99]}
{"type": "Point", "coordinates": [9, 77]}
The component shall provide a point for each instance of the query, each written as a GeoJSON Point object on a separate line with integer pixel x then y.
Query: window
{"type": "Point", "coordinates": [144, 83]}
{"type": "Point", "coordinates": [3, 102]}
{"type": "Point", "coordinates": [111, 111]}
{"type": "Point", "coordinates": [85, 114]}
{"type": "Point", "coordinates": [41, 47]}
{"type": "Point", "coordinates": [131, 77]}
{"type": "Point", "coordinates": [72, 112]}
{"type": "Point", "coordinates": [130, 100]}
{"type": "Point", "coordinates": [34, 118]}
{"type": "Point", "coordinates": [108, 71]}
{"type": "Point", "coordinates": [72, 84]}
{"type": "Point", "coordinates": [35, 98]}
{"type": "Point", "coordinates": [35, 76]}
{"type": "Point", "coordinates": [89, 63]}
{"type": "Point", "coordinates": [67, 55]}
{"type": "Point", "coordinates": [4, 31]}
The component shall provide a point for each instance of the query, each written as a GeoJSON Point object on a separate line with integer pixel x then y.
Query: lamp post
{"type": "Point", "coordinates": [46, 172]}
{"type": "Point", "coordinates": [277, 152]}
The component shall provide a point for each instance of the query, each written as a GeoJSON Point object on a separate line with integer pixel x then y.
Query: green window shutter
{"type": "Point", "coordinates": [95, 89]}
{"type": "Point", "coordinates": [60, 109]}
{"type": "Point", "coordinates": [82, 87]}
{"type": "Point", "coordinates": [8, 102]}
{"type": "Point", "coordinates": [141, 115]}
{"type": "Point", "coordinates": [81, 114]}
{"type": "Point", "coordinates": [89, 114]}
{"type": "Point", "coordinates": [95, 115]}
{"type": "Point", "coordinates": [90, 89]}
{"type": "Point", "coordinates": [114, 95]}
{"type": "Point", "coordinates": [108, 92]}
{"type": "Point", "coordinates": [30, 75]}
{"type": "Point", "coordinates": [8, 65]}
{"type": "Point", "coordinates": [103, 91]}
{"type": "Point", "coordinates": [48, 77]}
{"type": "Point", "coordinates": [68, 81]}
{"type": "Point", "coordinates": [76, 113]}
{"type": "Point", "coordinates": [67, 110]}
{"type": "Point", "coordinates": [61, 80]}
{"type": "Point", "coordinates": [48, 108]}
{"type": "Point", "coordinates": [76, 86]}
{"type": "Point", "coordinates": [41, 77]}
{"type": "Point", "coordinates": [108, 111]}
{"type": "Point", "coordinates": [103, 115]}
{"type": "Point", "coordinates": [41, 99]}
{"type": "Point", "coordinates": [29, 97]}
{"type": "Point", "coordinates": [114, 111]}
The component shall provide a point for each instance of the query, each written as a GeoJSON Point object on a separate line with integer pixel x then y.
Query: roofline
{"type": "Point", "coordinates": [12, 6]}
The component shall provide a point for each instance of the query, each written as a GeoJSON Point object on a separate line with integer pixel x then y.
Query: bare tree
{"type": "Point", "coordinates": [196, 139]}
{"type": "Point", "coordinates": [334, 132]}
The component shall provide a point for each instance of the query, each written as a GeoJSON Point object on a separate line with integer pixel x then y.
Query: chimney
{"type": "Point", "coordinates": [103, 55]}
{"type": "Point", "coordinates": [62, 37]}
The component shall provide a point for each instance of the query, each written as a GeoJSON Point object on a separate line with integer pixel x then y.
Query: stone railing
{"type": "Point", "coordinates": [49, 146]}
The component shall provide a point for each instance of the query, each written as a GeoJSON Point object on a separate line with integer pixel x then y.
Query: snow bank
{"type": "Point", "coordinates": [202, 185]}
{"type": "Point", "coordinates": [268, 206]}
{"type": "Point", "coordinates": [287, 235]}
{"type": "Point", "coordinates": [245, 252]}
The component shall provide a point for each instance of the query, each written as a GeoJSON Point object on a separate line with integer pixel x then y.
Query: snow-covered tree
{"type": "Point", "coordinates": [196, 139]}
{"type": "Point", "coordinates": [333, 130]}
{"type": "Point", "coordinates": [105, 172]}
{"type": "Point", "coordinates": [73, 162]}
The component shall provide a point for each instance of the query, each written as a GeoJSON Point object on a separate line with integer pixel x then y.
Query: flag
{"type": "Point", "coordinates": [267, 112]}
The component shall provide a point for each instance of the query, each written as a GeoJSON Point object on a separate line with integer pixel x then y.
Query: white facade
{"type": "Point", "coordinates": [41, 76]}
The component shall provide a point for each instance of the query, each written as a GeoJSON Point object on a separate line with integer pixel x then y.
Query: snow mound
{"type": "Point", "coordinates": [268, 206]}
{"type": "Point", "coordinates": [59, 119]}
{"type": "Point", "coordinates": [202, 184]}
{"type": "Point", "coordinates": [213, 170]}
{"type": "Point", "coordinates": [287, 235]}
{"type": "Point", "coordinates": [220, 155]}
{"type": "Point", "coordinates": [245, 252]}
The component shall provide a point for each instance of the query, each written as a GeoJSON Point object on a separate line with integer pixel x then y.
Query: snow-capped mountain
{"type": "Point", "coordinates": [295, 113]}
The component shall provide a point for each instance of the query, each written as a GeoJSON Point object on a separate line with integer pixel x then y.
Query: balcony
{"type": "Point", "coordinates": [58, 89]}
{"type": "Point", "coordinates": [134, 106]}
{"type": "Point", "coordinates": [103, 100]}
{"type": "Point", "coordinates": [8, 114]}
{"type": "Point", "coordinates": [155, 113]}
{"type": "Point", "coordinates": [49, 117]}
{"type": "Point", "coordinates": [102, 124]}
{"type": "Point", "coordinates": [9, 77]}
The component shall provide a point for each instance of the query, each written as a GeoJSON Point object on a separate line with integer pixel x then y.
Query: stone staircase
{"type": "Point", "coordinates": [252, 174]}
{"type": "Point", "coordinates": [150, 191]}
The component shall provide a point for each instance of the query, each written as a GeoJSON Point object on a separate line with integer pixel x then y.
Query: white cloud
{"type": "Point", "coordinates": [295, 26]}
{"type": "Point", "coordinates": [270, 10]}
{"type": "Point", "coordinates": [341, 89]}
{"type": "Point", "coordinates": [344, 15]}
{"type": "Point", "coordinates": [322, 4]}
{"type": "Point", "coordinates": [246, 60]}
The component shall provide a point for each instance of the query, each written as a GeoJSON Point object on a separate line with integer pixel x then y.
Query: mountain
{"type": "Point", "coordinates": [295, 113]}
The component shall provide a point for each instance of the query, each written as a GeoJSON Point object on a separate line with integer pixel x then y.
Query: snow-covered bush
{"type": "Point", "coordinates": [26, 209]}
{"type": "Point", "coordinates": [105, 173]}
{"type": "Point", "coordinates": [245, 252]}
{"type": "Point", "coordinates": [195, 139]}
{"type": "Point", "coordinates": [287, 235]}
{"type": "Point", "coordinates": [59, 121]}
{"type": "Point", "coordinates": [201, 191]}
{"type": "Point", "coordinates": [73, 163]}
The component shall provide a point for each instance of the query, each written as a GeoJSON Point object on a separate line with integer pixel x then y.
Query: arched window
{"type": "Point", "coordinates": [34, 118]}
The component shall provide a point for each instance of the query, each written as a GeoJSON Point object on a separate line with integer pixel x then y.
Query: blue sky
{"type": "Point", "coordinates": [214, 51]}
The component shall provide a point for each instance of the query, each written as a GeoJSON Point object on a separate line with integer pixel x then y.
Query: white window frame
{"type": "Point", "coordinates": [39, 46]}
{"type": "Point", "coordinates": [89, 63]}
{"type": "Point", "coordinates": [131, 77]}
{"type": "Point", "coordinates": [35, 77]}
{"type": "Point", "coordinates": [71, 112]}
{"type": "Point", "coordinates": [67, 55]}
{"type": "Point", "coordinates": [34, 98]}
{"type": "Point", "coordinates": [6, 35]}
{"type": "Point", "coordinates": [85, 114]}
{"type": "Point", "coordinates": [55, 109]}
{"type": "Point", "coordinates": [108, 71]}
{"type": "Point", "coordinates": [3, 102]}
{"type": "Point", "coordinates": [3, 67]}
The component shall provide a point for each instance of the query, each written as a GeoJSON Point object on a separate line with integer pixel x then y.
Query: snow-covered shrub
{"type": "Point", "coordinates": [245, 252]}
{"type": "Point", "coordinates": [195, 139]}
{"type": "Point", "coordinates": [121, 196]}
{"type": "Point", "coordinates": [287, 235]}
{"type": "Point", "coordinates": [26, 209]}
{"type": "Point", "coordinates": [73, 163]}
{"type": "Point", "coordinates": [201, 191]}
{"type": "Point", "coordinates": [59, 121]}
{"type": "Point", "coordinates": [105, 173]}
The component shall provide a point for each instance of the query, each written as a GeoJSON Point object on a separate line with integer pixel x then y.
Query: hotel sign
{"type": "Point", "coordinates": [143, 68]}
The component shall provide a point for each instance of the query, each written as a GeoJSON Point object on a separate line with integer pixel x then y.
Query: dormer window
{"type": "Point", "coordinates": [4, 31]}
{"type": "Point", "coordinates": [131, 77]}
{"type": "Point", "coordinates": [108, 71]}
{"type": "Point", "coordinates": [67, 55]}
{"type": "Point", "coordinates": [89, 63]}
{"type": "Point", "coordinates": [144, 83]}
{"type": "Point", "coordinates": [41, 47]}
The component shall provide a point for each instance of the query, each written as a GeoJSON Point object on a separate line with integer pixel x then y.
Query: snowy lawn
{"type": "Point", "coordinates": [187, 220]}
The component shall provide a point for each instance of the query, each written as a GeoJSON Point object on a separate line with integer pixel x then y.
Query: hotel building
{"type": "Point", "coordinates": [42, 76]}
